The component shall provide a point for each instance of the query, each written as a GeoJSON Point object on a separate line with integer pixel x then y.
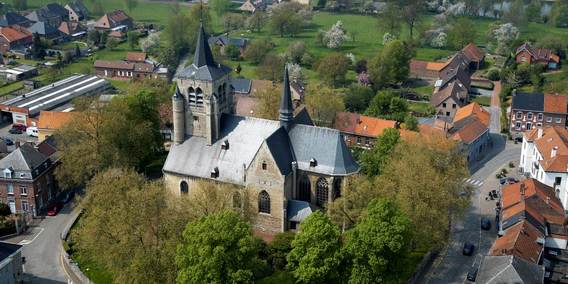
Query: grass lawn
{"type": "Point", "coordinates": [421, 108]}
{"type": "Point", "coordinates": [482, 100]}
{"type": "Point", "coordinates": [95, 272]}
{"type": "Point", "coordinates": [6, 89]}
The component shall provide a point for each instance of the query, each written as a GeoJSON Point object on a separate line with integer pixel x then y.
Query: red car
{"type": "Point", "coordinates": [54, 209]}
{"type": "Point", "coordinates": [20, 127]}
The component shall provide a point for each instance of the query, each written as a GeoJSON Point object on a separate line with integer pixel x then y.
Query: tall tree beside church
{"type": "Point", "coordinates": [378, 246]}
{"type": "Point", "coordinates": [323, 104]}
{"type": "Point", "coordinates": [391, 65]}
{"type": "Point", "coordinates": [218, 248]}
{"type": "Point", "coordinates": [376, 159]}
{"type": "Point", "coordinates": [316, 251]}
{"type": "Point", "coordinates": [268, 103]}
{"type": "Point", "coordinates": [38, 47]}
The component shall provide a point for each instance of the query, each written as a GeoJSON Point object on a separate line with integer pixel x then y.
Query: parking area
{"type": "Point", "coordinates": [22, 138]}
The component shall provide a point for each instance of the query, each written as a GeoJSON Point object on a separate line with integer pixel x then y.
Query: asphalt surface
{"type": "Point", "coordinates": [4, 133]}
{"type": "Point", "coordinates": [451, 266]}
{"type": "Point", "coordinates": [42, 249]}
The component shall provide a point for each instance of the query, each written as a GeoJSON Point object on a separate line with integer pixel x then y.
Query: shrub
{"type": "Point", "coordinates": [493, 74]}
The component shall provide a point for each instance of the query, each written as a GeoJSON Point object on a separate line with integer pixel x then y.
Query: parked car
{"type": "Point", "coordinates": [32, 131]}
{"type": "Point", "coordinates": [485, 224]}
{"type": "Point", "coordinates": [472, 274]}
{"type": "Point", "coordinates": [8, 141]}
{"type": "Point", "coordinates": [15, 131]}
{"type": "Point", "coordinates": [55, 208]}
{"type": "Point", "coordinates": [511, 180]}
{"type": "Point", "coordinates": [20, 126]}
{"type": "Point", "coordinates": [468, 249]}
{"type": "Point", "coordinates": [502, 181]}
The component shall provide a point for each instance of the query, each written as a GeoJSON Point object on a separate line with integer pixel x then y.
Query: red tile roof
{"type": "Point", "coordinates": [521, 240]}
{"type": "Point", "coordinates": [554, 103]}
{"type": "Point", "coordinates": [475, 110]}
{"type": "Point", "coordinates": [362, 125]}
{"type": "Point", "coordinates": [114, 64]}
{"type": "Point", "coordinates": [136, 56]}
{"type": "Point", "coordinates": [470, 131]}
{"type": "Point", "coordinates": [12, 35]}
{"type": "Point", "coordinates": [473, 53]}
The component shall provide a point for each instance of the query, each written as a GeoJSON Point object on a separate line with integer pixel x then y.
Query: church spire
{"type": "Point", "coordinates": [286, 110]}
{"type": "Point", "coordinates": [203, 55]}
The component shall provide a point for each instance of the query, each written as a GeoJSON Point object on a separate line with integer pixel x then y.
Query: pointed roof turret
{"type": "Point", "coordinates": [203, 55]}
{"type": "Point", "coordinates": [286, 109]}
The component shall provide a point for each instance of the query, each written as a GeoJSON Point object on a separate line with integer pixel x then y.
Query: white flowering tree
{"type": "Point", "coordinates": [504, 34]}
{"type": "Point", "coordinates": [351, 57]}
{"type": "Point", "coordinates": [295, 72]}
{"type": "Point", "coordinates": [440, 40]}
{"type": "Point", "coordinates": [335, 37]}
{"type": "Point", "coordinates": [150, 42]}
{"type": "Point", "coordinates": [457, 9]}
{"type": "Point", "coordinates": [388, 37]}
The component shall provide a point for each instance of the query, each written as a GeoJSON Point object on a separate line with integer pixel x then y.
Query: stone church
{"type": "Point", "coordinates": [290, 166]}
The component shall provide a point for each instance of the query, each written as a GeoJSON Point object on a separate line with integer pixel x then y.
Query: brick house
{"type": "Point", "coordinates": [114, 19]}
{"type": "Point", "coordinates": [451, 90]}
{"type": "Point", "coordinates": [530, 110]}
{"type": "Point", "coordinates": [27, 182]}
{"type": "Point", "coordinates": [470, 127]}
{"type": "Point", "coordinates": [361, 130]}
{"type": "Point", "coordinates": [14, 38]}
{"type": "Point", "coordinates": [531, 55]}
{"type": "Point", "coordinates": [123, 70]}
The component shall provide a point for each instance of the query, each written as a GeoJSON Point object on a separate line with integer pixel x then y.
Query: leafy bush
{"type": "Point", "coordinates": [4, 210]}
{"type": "Point", "coordinates": [493, 74]}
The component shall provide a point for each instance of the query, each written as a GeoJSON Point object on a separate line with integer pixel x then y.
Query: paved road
{"type": "Point", "coordinates": [41, 249]}
{"type": "Point", "coordinates": [452, 266]}
{"type": "Point", "coordinates": [495, 109]}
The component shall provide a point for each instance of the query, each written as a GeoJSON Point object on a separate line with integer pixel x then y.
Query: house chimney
{"type": "Point", "coordinates": [539, 133]}
{"type": "Point", "coordinates": [553, 151]}
{"type": "Point", "coordinates": [522, 191]}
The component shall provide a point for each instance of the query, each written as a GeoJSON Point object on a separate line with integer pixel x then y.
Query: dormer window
{"type": "Point", "coordinates": [215, 172]}
{"type": "Point", "coordinates": [313, 162]}
{"type": "Point", "coordinates": [225, 145]}
{"type": "Point", "coordinates": [7, 173]}
{"type": "Point", "coordinates": [22, 175]}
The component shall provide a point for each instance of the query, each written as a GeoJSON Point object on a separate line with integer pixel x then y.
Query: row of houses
{"type": "Point", "coordinates": [56, 23]}
{"type": "Point", "coordinates": [135, 66]}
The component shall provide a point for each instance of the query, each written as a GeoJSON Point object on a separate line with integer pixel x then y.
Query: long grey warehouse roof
{"type": "Point", "coordinates": [61, 92]}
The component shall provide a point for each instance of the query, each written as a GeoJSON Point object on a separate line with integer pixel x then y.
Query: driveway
{"type": "Point", "coordinates": [42, 249]}
{"type": "Point", "coordinates": [451, 266]}
{"type": "Point", "coordinates": [495, 109]}
{"type": "Point", "coordinates": [5, 127]}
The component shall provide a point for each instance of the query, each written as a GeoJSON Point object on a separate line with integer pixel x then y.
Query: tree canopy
{"type": "Point", "coordinates": [391, 65]}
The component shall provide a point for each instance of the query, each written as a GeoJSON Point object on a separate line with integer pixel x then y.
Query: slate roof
{"type": "Point", "coordinates": [298, 210]}
{"type": "Point", "coordinates": [78, 8]}
{"type": "Point", "coordinates": [8, 249]}
{"type": "Point", "coordinates": [241, 85]}
{"type": "Point", "coordinates": [44, 29]}
{"type": "Point", "coordinates": [204, 66]}
{"type": "Point", "coordinates": [24, 158]}
{"type": "Point", "coordinates": [281, 149]}
{"type": "Point", "coordinates": [225, 40]}
{"type": "Point", "coordinates": [47, 12]}
{"type": "Point", "coordinates": [12, 18]}
{"type": "Point", "coordinates": [509, 269]}
{"type": "Point", "coordinates": [302, 116]}
{"type": "Point", "coordinates": [528, 101]}
{"type": "Point", "coordinates": [12, 35]}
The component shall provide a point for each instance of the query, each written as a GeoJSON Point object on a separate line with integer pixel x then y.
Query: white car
{"type": "Point", "coordinates": [32, 131]}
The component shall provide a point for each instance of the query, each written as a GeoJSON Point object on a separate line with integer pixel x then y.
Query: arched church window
{"type": "Point", "coordinates": [192, 96]}
{"type": "Point", "coordinates": [264, 202]}
{"type": "Point", "coordinates": [183, 188]}
{"type": "Point", "coordinates": [305, 188]}
{"type": "Point", "coordinates": [336, 188]}
{"type": "Point", "coordinates": [199, 95]}
{"type": "Point", "coordinates": [221, 93]}
{"type": "Point", "coordinates": [322, 192]}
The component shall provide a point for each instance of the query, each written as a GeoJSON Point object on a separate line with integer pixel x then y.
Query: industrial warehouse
{"type": "Point", "coordinates": [19, 109]}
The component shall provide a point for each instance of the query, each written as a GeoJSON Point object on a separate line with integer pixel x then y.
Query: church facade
{"type": "Point", "coordinates": [289, 166]}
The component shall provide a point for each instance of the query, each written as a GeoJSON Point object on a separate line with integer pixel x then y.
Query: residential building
{"type": "Point", "coordinates": [14, 38]}
{"type": "Point", "coordinates": [509, 269]}
{"type": "Point", "coordinates": [470, 127]}
{"type": "Point", "coordinates": [136, 57]}
{"type": "Point", "coordinates": [114, 20]}
{"type": "Point", "coordinates": [537, 110]}
{"type": "Point", "coordinates": [223, 41]}
{"type": "Point", "coordinates": [52, 14]}
{"type": "Point", "coordinates": [451, 90]}
{"type": "Point", "coordinates": [361, 130]}
{"type": "Point", "coordinates": [544, 156]}
{"type": "Point", "coordinates": [11, 269]}
{"type": "Point", "coordinates": [470, 56]}
{"type": "Point", "coordinates": [27, 181]}
{"type": "Point", "coordinates": [51, 121]}
{"type": "Point", "coordinates": [474, 55]}
{"type": "Point", "coordinates": [248, 6]}
{"type": "Point", "coordinates": [77, 11]}
{"type": "Point", "coordinates": [72, 29]}
{"type": "Point", "coordinates": [527, 53]}
{"type": "Point", "coordinates": [275, 161]}
{"type": "Point", "coordinates": [47, 30]}
{"type": "Point", "coordinates": [12, 18]}
{"type": "Point", "coordinates": [118, 69]}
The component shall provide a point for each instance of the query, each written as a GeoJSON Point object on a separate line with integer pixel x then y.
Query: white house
{"type": "Point", "coordinates": [544, 157]}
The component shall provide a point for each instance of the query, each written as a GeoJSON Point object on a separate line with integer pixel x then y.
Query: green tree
{"type": "Point", "coordinates": [533, 11]}
{"type": "Point", "coordinates": [218, 248]}
{"type": "Point", "coordinates": [316, 250]}
{"type": "Point", "coordinates": [391, 65]}
{"type": "Point", "coordinates": [268, 103]}
{"type": "Point", "coordinates": [272, 68]}
{"type": "Point", "coordinates": [77, 51]}
{"type": "Point", "coordinates": [461, 33]}
{"type": "Point", "coordinates": [233, 52]}
{"type": "Point", "coordinates": [256, 21]}
{"type": "Point", "coordinates": [333, 68]}
{"type": "Point", "coordinates": [220, 7]}
{"type": "Point", "coordinates": [130, 227]}
{"type": "Point", "coordinates": [378, 246]}
{"type": "Point", "coordinates": [284, 19]}
{"type": "Point", "coordinates": [323, 104]}
{"type": "Point", "coordinates": [389, 18]}
{"type": "Point", "coordinates": [94, 37]}
{"type": "Point", "coordinates": [389, 105]}
{"type": "Point", "coordinates": [374, 160]}
{"type": "Point", "coordinates": [279, 248]}
{"type": "Point", "coordinates": [132, 39]}
{"type": "Point", "coordinates": [130, 5]}
{"type": "Point", "coordinates": [124, 133]}
{"type": "Point", "coordinates": [411, 123]}
{"type": "Point", "coordinates": [559, 14]}
{"type": "Point", "coordinates": [257, 50]}
{"type": "Point", "coordinates": [112, 43]}
{"type": "Point", "coordinates": [358, 98]}
{"type": "Point", "coordinates": [38, 47]}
